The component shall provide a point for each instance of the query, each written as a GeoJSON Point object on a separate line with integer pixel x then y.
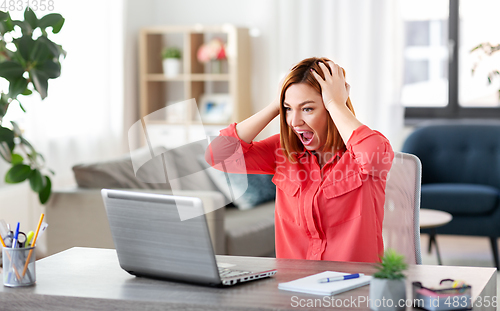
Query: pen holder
{"type": "Point", "coordinates": [15, 270]}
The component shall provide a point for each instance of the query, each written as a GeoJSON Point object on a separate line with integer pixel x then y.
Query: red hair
{"type": "Point", "coordinates": [301, 73]}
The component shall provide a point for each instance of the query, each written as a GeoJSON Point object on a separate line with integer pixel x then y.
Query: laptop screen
{"type": "Point", "coordinates": [151, 240]}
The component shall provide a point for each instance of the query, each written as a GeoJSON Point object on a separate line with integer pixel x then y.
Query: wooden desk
{"type": "Point", "coordinates": [91, 279]}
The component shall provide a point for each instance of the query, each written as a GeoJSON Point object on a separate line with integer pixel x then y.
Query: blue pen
{"type": "Point", "coordinates": [16, 234]}
{"type": "Point", "coordinates": [341, 278]}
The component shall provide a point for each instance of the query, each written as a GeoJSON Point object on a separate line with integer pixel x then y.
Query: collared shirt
{"type": "Point", "coordinates": [334, 212]}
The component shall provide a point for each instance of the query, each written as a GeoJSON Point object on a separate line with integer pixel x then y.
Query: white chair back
{"type": "Point", "coordinates": [401, 228]}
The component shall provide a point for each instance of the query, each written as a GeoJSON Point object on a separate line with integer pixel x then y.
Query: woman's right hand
{"type": "Point", "coordinates": [276, 104]}
{"type": "Point", "coordinates": [249, 128]}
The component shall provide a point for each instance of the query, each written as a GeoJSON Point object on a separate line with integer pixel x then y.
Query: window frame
{"type": "Point", "coordinates": [453, 110]}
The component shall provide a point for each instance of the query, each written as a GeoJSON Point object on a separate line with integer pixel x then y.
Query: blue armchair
{"type": "Point", "coordinates": [461, 175]}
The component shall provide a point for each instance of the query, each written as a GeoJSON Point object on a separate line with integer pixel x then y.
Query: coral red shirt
{"type": "Point", "coordinates": [330, 213]}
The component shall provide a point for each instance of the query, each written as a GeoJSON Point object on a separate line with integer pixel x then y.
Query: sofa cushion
{"type": "Point", "coordinates": [250, 232]}
{"type": "Point", "coordinates": [119, 173]}
{"type": "Point", "coordinates": [250, 190]}
{"type": "Point", "coordinates": [191, 175]}
{"type": "Point", "coordinates": [465, 199]}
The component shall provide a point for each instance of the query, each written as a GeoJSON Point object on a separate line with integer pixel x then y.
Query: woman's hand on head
{"type": "Point", "coordinates": [335, 90]}
{"type": "Point", "coordinates": [276, 104]}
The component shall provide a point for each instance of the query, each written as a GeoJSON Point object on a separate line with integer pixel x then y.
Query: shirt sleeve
{"type": "Point", "coordinates": [229, 153]}
{"type": "Point", "coordinates": [371, 150]}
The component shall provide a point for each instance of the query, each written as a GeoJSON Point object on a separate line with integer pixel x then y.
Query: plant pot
{"type": "Point", "coordinates": [171, 67]}
{"type": "Point", "coordinates": [387, 295]}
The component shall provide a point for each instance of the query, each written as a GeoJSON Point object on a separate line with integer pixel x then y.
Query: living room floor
{"type": "Point", "coordinates": [460, 251]}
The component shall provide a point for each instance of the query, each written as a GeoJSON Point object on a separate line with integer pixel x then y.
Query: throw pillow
{"type": "Point", "coordinates": [119, 173]}
{"type": "Point", "coordinates": [249, 190]}
{"type": "Point", "coordinates": [191, 174]}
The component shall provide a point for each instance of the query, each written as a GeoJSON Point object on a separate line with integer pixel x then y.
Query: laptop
{"type": "Point", "coordinates": [152, 241]}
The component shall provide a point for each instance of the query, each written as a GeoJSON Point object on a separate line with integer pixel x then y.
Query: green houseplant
{"type": "Point", "coordinates": [171, 52]}
{"type": "Point", "coordinates": [387, 288]}
{"type": "Point", "coordinates": [28, 59]}
{"type": "Point", "coordinates": [171, 61]}
{"type": "Point", "coordinates": [487, 49]}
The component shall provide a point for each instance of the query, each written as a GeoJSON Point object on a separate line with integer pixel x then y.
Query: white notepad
{"type": "Point", "coordinates": [311, 285]}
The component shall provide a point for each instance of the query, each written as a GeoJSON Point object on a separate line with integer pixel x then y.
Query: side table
{"type": "Point", "coordinates": [431, 219]}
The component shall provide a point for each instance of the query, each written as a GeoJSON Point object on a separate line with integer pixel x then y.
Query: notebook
{"type": "Point", "coordinates": [152, 240]}
{"type": "Point", "coordinates": [310, 284]}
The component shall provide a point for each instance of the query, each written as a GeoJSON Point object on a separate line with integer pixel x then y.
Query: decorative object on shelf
{"type": "Point", "coordinates": [28, 59]}
{"type": "Point", "coordinates": [488, 49]}
{"type": "Point", "coordinates": [387, 287]}
{"type": "Point", "coordinates": [214, 52]}
{"type": "Point", "coordinates": [215, 108]}
{"type": "Point", "coordinates": [171, 61]}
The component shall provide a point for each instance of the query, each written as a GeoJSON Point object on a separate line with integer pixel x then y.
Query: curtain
{"type": "Point", "coordinates": [363, 36]}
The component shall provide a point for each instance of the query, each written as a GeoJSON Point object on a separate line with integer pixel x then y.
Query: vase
{"type": "Point", "coordinates": [216, 66]}
{"type": "Point", "coordinates": [171, 67]}
{"type": "Point", "coordinates": [387, 295]}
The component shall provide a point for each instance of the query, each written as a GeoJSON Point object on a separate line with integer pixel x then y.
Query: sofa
{"type": "Point", "coordinates": [76, 216]}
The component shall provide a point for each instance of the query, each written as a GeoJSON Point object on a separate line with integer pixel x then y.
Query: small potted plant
{"type": "Point", "coordinates": [387, 288]}
{"type": "Point", "coordinates": [171, 61]}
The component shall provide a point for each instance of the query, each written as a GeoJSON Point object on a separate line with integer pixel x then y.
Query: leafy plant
{"type": "Point", "coordinates": [171, 52]}
{"type": "Point", "coordinates": [488, 50]}
{"type": "Point", "coordinates": [28, 59]}
{"type": "Point", "coordinates": [392, 266]}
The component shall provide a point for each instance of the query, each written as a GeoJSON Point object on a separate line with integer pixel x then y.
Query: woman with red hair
{"type": "Point", "coordinates": [329, 169]}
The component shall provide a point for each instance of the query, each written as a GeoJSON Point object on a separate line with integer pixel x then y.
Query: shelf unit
{"type": "Point", "coordinates": [157, 90]}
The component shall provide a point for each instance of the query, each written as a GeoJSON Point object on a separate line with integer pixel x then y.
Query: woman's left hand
{"type": "Point", "coordinates": [335, 90]}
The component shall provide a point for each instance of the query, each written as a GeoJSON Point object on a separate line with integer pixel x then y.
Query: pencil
{"type": "Point", "coordinates": [33, 244]}
{"type": "Point", "coordinates": [3, 243]}
{"type": "Point", "coordinates": [10, 259]}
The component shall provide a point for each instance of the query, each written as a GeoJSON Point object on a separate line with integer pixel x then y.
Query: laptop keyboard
{"type": "Point", "coordinates": [228, 273]}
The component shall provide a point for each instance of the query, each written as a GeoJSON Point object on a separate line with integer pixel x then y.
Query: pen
{"type": "Point", "coordinates": [341, 278]}
{"type": "Point", "coordinates": [16, 234]}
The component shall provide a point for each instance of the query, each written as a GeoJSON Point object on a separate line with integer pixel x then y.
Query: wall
{"type": "Point", "coordinates": [137, 14]}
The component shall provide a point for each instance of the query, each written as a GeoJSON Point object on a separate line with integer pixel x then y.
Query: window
{"type": "Point", "coordinates": [438, 79]}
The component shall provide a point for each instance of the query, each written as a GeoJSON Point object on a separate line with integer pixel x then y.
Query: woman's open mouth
{"type": "Point", "coordinates": [306, 137]}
